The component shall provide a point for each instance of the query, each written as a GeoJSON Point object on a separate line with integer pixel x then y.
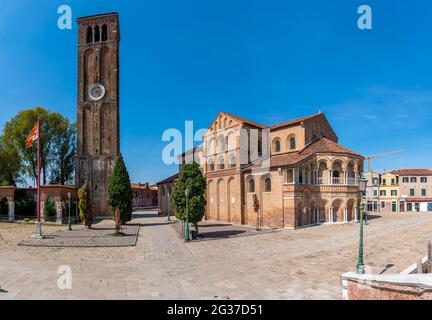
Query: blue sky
{"type": "Point", "coordinates": [268, 61]}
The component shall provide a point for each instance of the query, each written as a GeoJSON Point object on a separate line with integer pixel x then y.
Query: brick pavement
{"type": "Point", "coordinates": [291, 264]}
{"type": "Point", "coordinates": [100, 235]}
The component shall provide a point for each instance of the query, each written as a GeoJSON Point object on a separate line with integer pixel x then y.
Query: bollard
{"type": "Point", "coordinates": [420, 266]}
{"type": "Point", "coordinates": [429, 257]}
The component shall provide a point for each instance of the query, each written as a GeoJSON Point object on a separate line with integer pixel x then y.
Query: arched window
{"type": "Point", "coordinates": [211, 165]}
{"type": "Point", "coordinates": [104, 33]}
{"type": "Point", "coordinates": [292, 143]}
{"type": "Point", "coordinates": [221, 144]}
{"type": "Point", "coordinates": [89, 34]}
{"type": "Point", "coordinates": [267, 185]}
{"type": "Point", "coordinates": [221, 164]}
{"type": "Point", "coordinates": [233, 162]}
{"type": "Point", "coordinates": [97, 34]}
{"type": "Point", "coordinates": [277, 146]}
{"type": "Point", "coordinates": [211, 147]}
{"type": "Point", "coordinates": [251, 185]}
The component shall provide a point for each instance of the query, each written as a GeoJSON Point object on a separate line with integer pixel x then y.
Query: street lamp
{"type": "Point", "coordinates": [69, 218]}
{"type": "Point", "coordinates": [362, 189]}
{"type": "Point", "coordinates": [169, 208]}
{"type": "Point", "coordinates": [187, 215]}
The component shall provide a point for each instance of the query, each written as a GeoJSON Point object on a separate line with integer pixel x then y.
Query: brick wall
{"type": "Point", "coordinates": [387, 287]}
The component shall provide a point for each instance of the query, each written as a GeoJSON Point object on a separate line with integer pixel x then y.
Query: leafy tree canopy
{"type": "Point", "coordinates": [191, 178]}
{"type": "Point", "coordinates": [58, 146]}
{"type": "Point", "coordinates": [120, 194]}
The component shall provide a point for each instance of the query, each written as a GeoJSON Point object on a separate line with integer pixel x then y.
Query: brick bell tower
{"type": "Point", "coordinates": [98, 128]}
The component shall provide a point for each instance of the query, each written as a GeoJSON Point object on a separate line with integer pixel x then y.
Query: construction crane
{"type": "Point", "coordinates": [378, 156]}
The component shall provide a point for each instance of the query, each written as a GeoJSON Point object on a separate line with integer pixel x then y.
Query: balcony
{"type": "Point", "coordinates": [319, 178]}
{"type": "Point", "coordinates": [337, 181]}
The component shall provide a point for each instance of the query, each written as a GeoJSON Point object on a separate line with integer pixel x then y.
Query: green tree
{"type": "Point", "coordinates": [120, 194]}
{"type": "Point", "coordinates": [53, 125]}
{"type": "Point", "coordinates": [10, 164]}
{"type": "Point", "coordinates": [49, 209]}
{"type": "Point", "coordinates": [190, 177]}
{"type": "Point", "coordinates": [63, 166]}
{"type": "Point", "coordinates": [84, 206]}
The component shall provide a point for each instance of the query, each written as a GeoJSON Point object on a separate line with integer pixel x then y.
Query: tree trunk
{"type": "Point", "coordinates": [196, 226]}
{"type": "Point", "coordinates": [88, 220]}
{"type": "Point", "coordinates": [117, 219]}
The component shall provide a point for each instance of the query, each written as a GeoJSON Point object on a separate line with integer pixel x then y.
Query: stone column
{"type": "Point", "coordinates": [330, 177]}
{"type": "Point", "coordinates": [330, 218]}
{"type": "Point", "coordinates": [317, 211]}
{"type": "Point", "coordinates": [11, 211]}
{"type": "Point", "coordinates": [59, 211]}
{"type": "Point", "coordinates": [355, 214]}
{"type": "Point", "coordinates": [346, 215]}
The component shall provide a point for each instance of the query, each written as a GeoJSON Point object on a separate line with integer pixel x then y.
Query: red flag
{"type": "Point", "coordinates": [32, 137]}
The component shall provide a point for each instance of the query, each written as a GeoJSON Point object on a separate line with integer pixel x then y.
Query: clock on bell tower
{"type": "Point", "coordinates": [98, 143]}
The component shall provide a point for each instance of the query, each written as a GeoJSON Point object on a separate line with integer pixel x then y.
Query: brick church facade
{"type": "Point", "coordinates": [98, 119]}
{"type": "Point", "coordinates": [298, 171]}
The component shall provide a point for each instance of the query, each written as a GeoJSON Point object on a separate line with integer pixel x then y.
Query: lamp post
{"type": "Point", "coordinates": [69, 218]}
{"type": "Point", "coordinates": [169, 208]}
{"type": "Point", "coordinates": [187, 214]}
{"type": "Point", "coordinates": [362, 189]}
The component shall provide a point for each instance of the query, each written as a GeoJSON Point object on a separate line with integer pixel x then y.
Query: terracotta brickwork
{"type": "Point", "coordinates": [165, 189]}
{"type": "Point", "coordinates": [98, 143]}
{"type": "Point", "coordinates": [58, 193]}
{"type": "Point", "coordinates": [144, 195]}
{"type": "Point", "coordinates": [299, 173]}
{"type": "Point", "coordinates": [382, 287]}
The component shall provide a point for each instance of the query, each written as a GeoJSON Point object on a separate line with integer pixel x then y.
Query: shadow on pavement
{"type": "Point", "coordinates": [373, 217]}
{"type": "Point", "coordinates": [214, 225]}
{"type": "Point", "coordinates": [220, 234]}
{"type": "Point", "coordinates": [144, 215]}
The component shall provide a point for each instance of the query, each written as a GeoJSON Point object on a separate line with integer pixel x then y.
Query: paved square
{"type": "Point", "coordinates": [290, 264]}
{"type": "Point", "coordinates": [100, 235]}
{"type": "Point", "coordinates": [218, 230]}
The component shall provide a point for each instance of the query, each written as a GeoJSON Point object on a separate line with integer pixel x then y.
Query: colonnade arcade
{"type": "Point", "coordinates": [315, 210]}
{"type": "Point", "coordinates": [58, 194]}
{"type": "Point", "coordinates": [323, 171]}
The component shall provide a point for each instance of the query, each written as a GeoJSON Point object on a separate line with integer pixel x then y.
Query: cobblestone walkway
{"type": "Point", "coordinates": [302, 264]}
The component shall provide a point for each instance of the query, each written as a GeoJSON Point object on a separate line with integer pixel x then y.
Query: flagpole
{"type": "Point", "coordinates": [38, 226]}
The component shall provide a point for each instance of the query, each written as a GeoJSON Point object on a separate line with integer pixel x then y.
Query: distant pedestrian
{"type": "Point", "coordinates": [365, 217]}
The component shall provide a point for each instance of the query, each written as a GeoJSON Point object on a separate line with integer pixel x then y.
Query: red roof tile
{"type": "Point", "coordinates": [284, 124]}
{"type": "Point", "coordinates": [245, 120]}
{"type": "Point", "coordinates": [413, 172]}
{"type": "Point", "coordinates": [324, 145]}
{"type": "Point", "coordinates": [295, 121]}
